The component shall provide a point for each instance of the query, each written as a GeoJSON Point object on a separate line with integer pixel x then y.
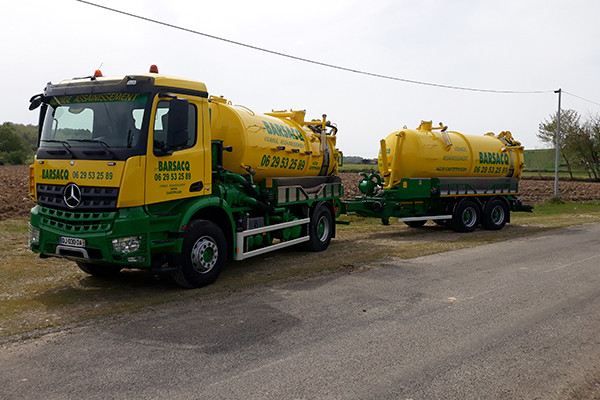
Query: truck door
{"type": "Point", "coordinates": [176, 170]}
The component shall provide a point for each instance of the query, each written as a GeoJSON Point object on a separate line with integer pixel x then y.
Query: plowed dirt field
{"type": "Point", "coordinates": [15, 201]}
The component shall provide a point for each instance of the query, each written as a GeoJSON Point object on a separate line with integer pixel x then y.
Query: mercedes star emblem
{"type": "Point", "coordinates": [72, 195]}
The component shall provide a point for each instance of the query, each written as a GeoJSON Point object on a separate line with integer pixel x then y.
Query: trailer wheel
{"type": "Point", "coordinates": [465, 217]}
{"type": "Point", "coordinates": [416, 224]}
{"type": "Point", "coordinates": [99, 270]}
{"type": "Point", "coordinates": [203, 255]}
{"type": "Point", "coordinates": [320, 229]}
{"type": "Point", "coordinates": [495, 215]}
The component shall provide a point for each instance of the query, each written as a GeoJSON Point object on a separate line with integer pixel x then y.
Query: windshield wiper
{"type": "Point", "coordinates": [106, 146]}
{"type": "Point", "coordinates": [65, 144]}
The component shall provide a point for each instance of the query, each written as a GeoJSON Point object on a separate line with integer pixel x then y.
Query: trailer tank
{"type": "Point", "coordinates": [277, 144]}
{"type": "Point", "coordinates": [428, 152]}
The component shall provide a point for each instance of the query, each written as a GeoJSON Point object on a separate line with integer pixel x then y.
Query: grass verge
{"type": "Point", "coordinates": [36, 293]}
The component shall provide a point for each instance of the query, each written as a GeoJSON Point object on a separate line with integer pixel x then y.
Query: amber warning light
{"type": "Point", "coordinates": [97, 73]}
{"type": "Point", "coordinates": [153, 69]}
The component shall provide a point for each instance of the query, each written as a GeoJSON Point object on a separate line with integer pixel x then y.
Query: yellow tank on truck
{"type": "Point", "coordinates": [428, 152]}
{"type": "Point", "coordinates": [277, 144]}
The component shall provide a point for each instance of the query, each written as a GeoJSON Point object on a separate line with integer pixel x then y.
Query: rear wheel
{"type": "Point", "coordinates": [320, 229]}
{"type": "Point", "coordinates": [203, 255]}
{"type": "Point", "coordinates": [465, 217]}
{"type": "Point", "coordinates": [495, 215]}
{"type": "Point", "coordinates": [99, 270]}
{"type": "Point", "coordinates": [416, 224]}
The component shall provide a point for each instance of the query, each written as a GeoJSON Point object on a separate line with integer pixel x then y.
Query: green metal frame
{"type": "Point", "coordinates": [422, 197]}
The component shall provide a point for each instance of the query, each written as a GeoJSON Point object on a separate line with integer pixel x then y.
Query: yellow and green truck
{"type": "Point", "coordinates": [148, 171]}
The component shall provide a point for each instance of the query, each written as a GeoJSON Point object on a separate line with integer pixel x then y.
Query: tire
{"type": "Point", "coordinates": [320, 229]}
{"type": "Point", "coordinates": [203, 255]}
{"type": "Point", "coordinates": [465, 217]}
{"type": "Point", "coordinates": [495, 215]}
{"type": "Point", "coordinates": [416, 224]}
{"type": "Point", "coordinates": [99, 270]}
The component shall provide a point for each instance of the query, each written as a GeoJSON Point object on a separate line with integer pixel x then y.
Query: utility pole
{"type": "Point", "coordinates": [556, 158]}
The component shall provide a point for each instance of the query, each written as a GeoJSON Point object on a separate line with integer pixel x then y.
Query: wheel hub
{"type": "Point", "coordinates": [204, 254]}
{"type": "Point", "coordinates": [322, 229]}
{"type": "Point", "coordinates": [468, 217]}
{"type": "Point", "coordinates": [497, 215]}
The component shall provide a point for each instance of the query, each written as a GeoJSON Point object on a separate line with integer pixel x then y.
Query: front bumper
{"type": "Point", "coordinates": [97, 231]}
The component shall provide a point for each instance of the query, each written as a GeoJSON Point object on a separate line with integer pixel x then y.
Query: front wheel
{"type": "Point", "coordinates": [495, 215]}
{"type": "Point", "coordinates": [203, 255]}
{"type": "Point", "coordinates": [465, 217]}
{"type": "Point", "coordinates": [320, 229]}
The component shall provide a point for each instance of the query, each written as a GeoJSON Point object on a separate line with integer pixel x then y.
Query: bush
{"type": "Point", "coordinates": [14, 149]}
{"type": "Point", "coordinates": [555, 200]}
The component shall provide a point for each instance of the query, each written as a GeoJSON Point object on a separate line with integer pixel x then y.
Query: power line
{"type": "Point", "coordinates": [581, 98]}
{"type": "Point", "coordinates": [356, 71]}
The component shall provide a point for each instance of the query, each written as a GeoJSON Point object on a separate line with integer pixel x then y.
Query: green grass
{"type": "Point", "coordinates": [554, 207]}
{"type": "Point", "coordinates": [38, 293]}
{"type": "Point", "coordinates": [542, 159]}
{"type": "Point", "coordinates": [549, 175]}
{"type": "Point", "coordinates": [369, 168]}
{"type": "Point", "coordinates": [540, 164]}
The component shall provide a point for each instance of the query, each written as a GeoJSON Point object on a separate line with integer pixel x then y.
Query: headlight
{"type": "Point", "coordinates": [127, 245]}
{"type": "Point", "coordinates": [34, 235]}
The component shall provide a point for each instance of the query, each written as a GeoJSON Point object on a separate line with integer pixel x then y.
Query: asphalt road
{"type": "Point", "coordinates": [514, 320]}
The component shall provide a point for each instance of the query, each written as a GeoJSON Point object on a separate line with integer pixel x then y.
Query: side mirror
{"type": "Point", "coordinates": [35, 101]}
{"type": "Point", "coordinates": [177, 131]}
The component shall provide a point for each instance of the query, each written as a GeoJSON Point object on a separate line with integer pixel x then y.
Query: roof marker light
{"type": "Point", "coordinates": [153, 69]}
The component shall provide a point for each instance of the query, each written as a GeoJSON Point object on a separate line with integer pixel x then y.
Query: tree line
{"type": "Point", "coordinates": [579, 141]}
{"type": "Point", "coordinates": [18, 143]}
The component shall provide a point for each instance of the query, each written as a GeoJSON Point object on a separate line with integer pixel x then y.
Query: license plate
{"type": "Point", "coordinates": [71, 241]}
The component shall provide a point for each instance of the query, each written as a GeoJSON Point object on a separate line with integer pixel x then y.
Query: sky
{"type": "Point", "coordinates": [516, 45]}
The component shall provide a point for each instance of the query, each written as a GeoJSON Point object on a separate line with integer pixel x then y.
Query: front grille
{"type": "Point", "coordinates": [92, 198]}
{"type": "Point", "coordinates": [77, 222]}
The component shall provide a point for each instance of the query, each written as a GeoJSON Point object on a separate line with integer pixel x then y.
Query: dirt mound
{"type": "Point", "coordinates": [14, 192]}
{"type": "Point", "coordinates": [15, 201]}
{"type": "Point", "coordinates": [536, 191]}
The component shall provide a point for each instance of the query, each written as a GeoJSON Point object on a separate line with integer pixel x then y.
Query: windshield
{"type": "Point", "coordinates": [113, 120]}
